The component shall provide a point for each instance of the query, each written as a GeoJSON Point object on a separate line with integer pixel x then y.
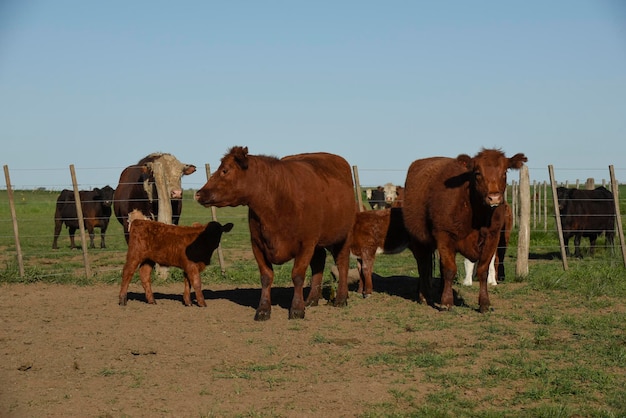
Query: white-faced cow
{"type": "Point", "coordinates": [298, 206]}
{"type": "Point", "coordinates": [96, 208]}
{"type": "Point", "coordinates": [137, 188]}
{"type": "Point", "coordinates": [455, 205]}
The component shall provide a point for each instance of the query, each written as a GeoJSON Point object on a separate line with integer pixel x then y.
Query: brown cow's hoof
{"type": "Point", "coordinates": [486, 308]}
{"type": "Point", "coordinates": [296, 314]}
{"type": "Point", "coordinates": [340, 303]}
{"type": "Point", "coordinates": [262, 315]}
{"type": "Point", "coordinates": [123, 300]}
{"type": "Point", "coordinates": [312, 302]}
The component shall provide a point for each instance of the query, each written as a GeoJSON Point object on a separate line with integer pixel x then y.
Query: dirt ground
{"type": "Point", "coordinates": [72, 351]}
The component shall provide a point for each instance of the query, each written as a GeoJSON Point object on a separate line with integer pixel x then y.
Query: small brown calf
{"type": "Point", "coordinates": [187, 247]}
{"type": "Point", "coordinates": [375, 232]}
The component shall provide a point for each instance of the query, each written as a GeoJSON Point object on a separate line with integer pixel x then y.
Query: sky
{"type": "Point", "coordinates": [99, 85]}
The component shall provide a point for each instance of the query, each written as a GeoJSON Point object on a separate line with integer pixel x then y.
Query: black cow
{"type": "Point", "coordinates": [586, 213]}
{"type": "Point", "coordinates": [96, 206]}
{"type": "Point", "coordinates": [376, 198]}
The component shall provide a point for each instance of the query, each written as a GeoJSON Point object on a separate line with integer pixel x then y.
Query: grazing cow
{"type": "Point", "coordinates": [456, 205]}
{"type": "Point", "coordinates": [496, 266]}
{"type": "Point", "coordinates": [96, 207]}
{"type": "Point", "coordinates": [187, 247]}
{"type": "Point", "coordinates": [586, 213]}
{"type": "Point", "coordinates": [298, 206]}
{"type": "Point", "coordinates": [137, 188]}
{"type": "Point", "coordinates": [375, 232]}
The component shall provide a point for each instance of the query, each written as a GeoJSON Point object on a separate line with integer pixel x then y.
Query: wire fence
{"type": "Point", "coordinates": [35, 203]}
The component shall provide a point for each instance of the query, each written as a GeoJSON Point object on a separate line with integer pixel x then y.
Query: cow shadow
{"type": "Point", "coordinates": [554, 255]}
{"type": "Point", "coordinates": [248, 297]}
{"type": "Point", "coordinates": [401, 286]}
{"type": "Point", "coordinates": [407, 287]}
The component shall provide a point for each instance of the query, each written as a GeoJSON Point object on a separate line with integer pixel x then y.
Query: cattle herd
{"type": "Point", "coordinates": [447, 206]}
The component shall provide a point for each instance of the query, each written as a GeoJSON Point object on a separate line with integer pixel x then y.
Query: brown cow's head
{"type": "Point", "coordinates": [488, 173]}
{"type": "Point", "coordinates": [228, 186]}
{"type": "Point", "coordinates": [173, 171]}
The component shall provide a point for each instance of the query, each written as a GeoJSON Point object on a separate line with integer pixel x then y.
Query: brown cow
{"type": "Point", "coordinates": [375, 232]}
{"type": "Point", "coordinates": [456, 205]}
{"type": "Point", "coordinates": [137, 188]}
{"type": "Point", "coordinates": [298, 206]}
{"type": "Point", "coordinates": [187, 247]}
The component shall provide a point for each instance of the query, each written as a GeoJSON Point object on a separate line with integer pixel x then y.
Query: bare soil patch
{"type": "Point", "coordinates": [72, 351]}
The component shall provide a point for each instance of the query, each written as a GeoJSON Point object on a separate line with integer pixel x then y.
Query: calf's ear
{"type": "Point", "coordinates": [517, 161]}
{"type": "Point", "coordinates": [227, 227]}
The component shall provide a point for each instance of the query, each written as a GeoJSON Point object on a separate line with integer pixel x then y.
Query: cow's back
{"type": "Point", "coordinates": [434, 193]}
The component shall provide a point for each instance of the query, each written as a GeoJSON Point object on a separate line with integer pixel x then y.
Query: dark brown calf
{"type": "Point", "coordinates": [375, 232]}
{"type": "Point", "coordinates": [187, 247]}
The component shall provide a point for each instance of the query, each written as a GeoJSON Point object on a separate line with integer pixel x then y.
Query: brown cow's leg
{"type": "Point", "coordinates": [448, 273]}
{"type": "Point", "coordinates": [317, 271]}
{"type": "Point", "coordinates": [144, 274]}
{"type": "Point", "coordinates": [423, 257]}
{"type": "Point", "coordinates": [482, 273]}
{"type": "Point", "coordinates": [264, 310]}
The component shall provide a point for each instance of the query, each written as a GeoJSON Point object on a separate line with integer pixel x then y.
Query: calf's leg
{"type": "Point", "coordinates": [144, 275]}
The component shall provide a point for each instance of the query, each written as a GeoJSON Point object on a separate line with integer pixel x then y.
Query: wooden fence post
{"type": "Point", "coordinates": [165, 207]}
{"type": "Point", "coordinates": [618, 216]}
{"type": "Point", "coordinates": [220, 253]}
{"type": "Point", "coordinates": [81, 222]}
{"type": "Point", "coordinates": [523, 243]}
{"type": "Point", "coordinates": [557, 214]}
{"type": "Point", "coordinates": [18, 247]}
{"type": "Point", "coordinates": [357, 185]}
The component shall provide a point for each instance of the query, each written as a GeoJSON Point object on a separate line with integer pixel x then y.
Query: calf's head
{"type": "Point", "coordinates": [487, 171]}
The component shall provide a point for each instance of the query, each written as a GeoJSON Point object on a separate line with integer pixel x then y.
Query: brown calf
{"type": "Point", "coordinates": [375, 232]}
{"type": "Point", "coordinates": [187, 247]}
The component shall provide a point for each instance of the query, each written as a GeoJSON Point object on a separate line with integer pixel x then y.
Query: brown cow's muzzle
{"type": "Point", "coordinates": [176, 194]}
{"type": "Point", "coordinates": [494, 199]}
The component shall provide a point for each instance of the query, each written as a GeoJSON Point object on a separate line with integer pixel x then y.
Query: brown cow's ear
{"type": "Point", "coordinates": [517, 161]}
{"type": "Point", "coordinates": [465, 160]}
{"type": "Point", "coordinates": [241, 156]}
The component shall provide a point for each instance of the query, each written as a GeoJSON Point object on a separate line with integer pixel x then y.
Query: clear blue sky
{"type": "Point", "coordinates": [382, 83]}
